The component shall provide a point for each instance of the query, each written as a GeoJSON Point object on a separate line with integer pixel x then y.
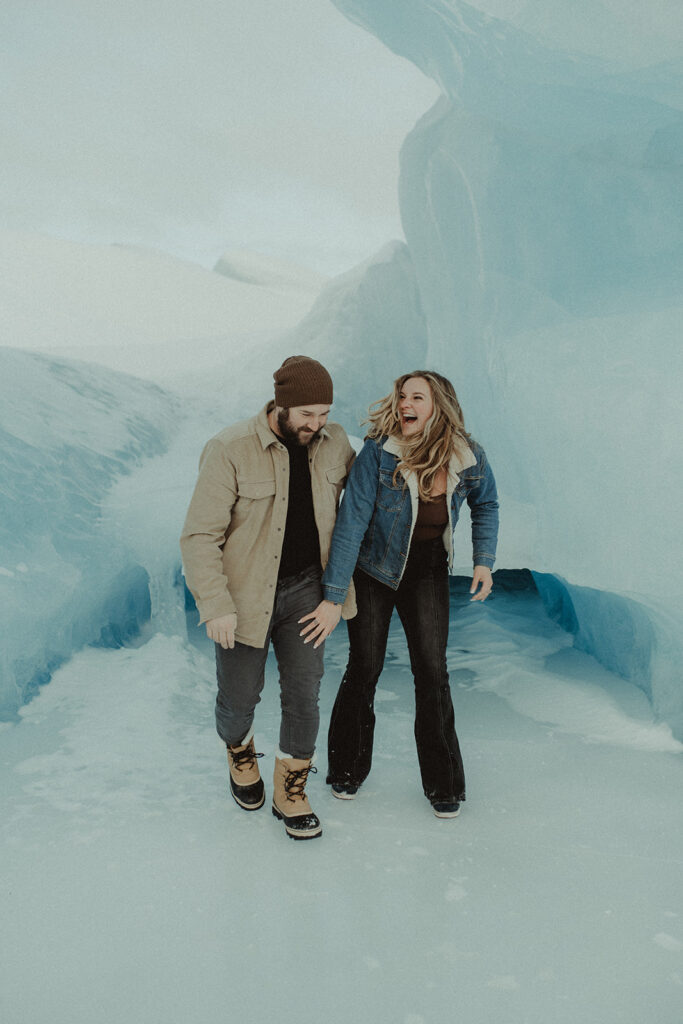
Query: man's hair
{"type": "Point", "coordinates": [444, 432]}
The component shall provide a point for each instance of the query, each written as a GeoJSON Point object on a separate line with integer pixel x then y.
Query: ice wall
{"type": "Point", "coordinates": [68, 431]}
{"type": "Point", "coordinates": [623, 31]}
{"type": "Point", "coordinates": [367, 327]}
{"type": "Point", "coordinates": [541, 204]}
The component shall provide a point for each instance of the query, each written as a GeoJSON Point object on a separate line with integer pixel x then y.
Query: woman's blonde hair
{"type": "Point", "coordinates": [443, 434]}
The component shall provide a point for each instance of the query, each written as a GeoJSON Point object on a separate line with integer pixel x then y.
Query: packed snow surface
{"type": "Point", "coordinates": [137, 890]}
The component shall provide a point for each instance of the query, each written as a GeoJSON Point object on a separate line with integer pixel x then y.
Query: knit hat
{"type": "Point", "coordinates": [302, 381]}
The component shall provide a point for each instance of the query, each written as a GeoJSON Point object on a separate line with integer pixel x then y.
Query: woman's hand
{"type": "Point", "coordinates": [481, 578]}
{"type": "Point", "coordinates": [324, 620]}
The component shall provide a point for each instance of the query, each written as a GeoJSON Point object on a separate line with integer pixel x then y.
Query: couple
{"type": "Point", "coordinates": [263, 524]}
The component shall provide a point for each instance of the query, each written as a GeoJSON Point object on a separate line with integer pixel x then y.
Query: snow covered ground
{"type": "Point", "coordinates": [136, 891]}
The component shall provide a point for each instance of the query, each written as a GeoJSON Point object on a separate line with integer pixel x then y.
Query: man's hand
{"type": "Point", "coordinates": [222, 631]}
{"type": "Point", "coordinates": [481, 578]}
{"type": "Point", "coordinates": [324, 620]}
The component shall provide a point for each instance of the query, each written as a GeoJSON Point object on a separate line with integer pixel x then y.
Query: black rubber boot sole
{"type": "Point", "coordinates": [249, 798]}
{"type": "Point", "coordinates": [299, 821]}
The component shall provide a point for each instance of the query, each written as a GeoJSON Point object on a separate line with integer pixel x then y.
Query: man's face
{"type": "Point", "coordinates": [302, 423]}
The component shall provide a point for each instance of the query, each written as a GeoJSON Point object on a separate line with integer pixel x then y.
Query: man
{"type": "Point", "coordinates": [255, 541]}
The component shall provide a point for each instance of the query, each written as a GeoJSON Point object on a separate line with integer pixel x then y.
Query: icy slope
{"type": "Point", "coordinates": [138, 310]}
{"type": "Point", "coordinates": [68, 431]}
{"type": "Point", "coordinates": [541, 204]}
{"type": "Point", "coordinates": [269, 272]}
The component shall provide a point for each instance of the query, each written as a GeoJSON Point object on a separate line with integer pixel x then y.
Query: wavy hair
{"type": "Point", "coordinates": [444, 432]}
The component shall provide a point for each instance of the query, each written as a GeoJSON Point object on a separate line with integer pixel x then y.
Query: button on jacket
{"type": "Point", "coordinates": [377, 516]}
{"type": "Point", "coordinates": [232, 537]}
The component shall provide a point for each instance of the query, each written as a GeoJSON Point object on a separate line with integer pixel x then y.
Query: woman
{"type": "Point", "coordinates": [394, 536]}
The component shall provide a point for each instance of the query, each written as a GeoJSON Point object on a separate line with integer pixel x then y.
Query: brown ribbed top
{"type": "Point", "coordinates": [432, 518]}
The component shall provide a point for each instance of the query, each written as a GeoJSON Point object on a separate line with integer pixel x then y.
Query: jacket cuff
{"type": "Point", "coordinates": [335, 594]}
{"type": "Point", "coordinates": [486, 560]}
{"type": "Point", "coordinates": [216, 608]}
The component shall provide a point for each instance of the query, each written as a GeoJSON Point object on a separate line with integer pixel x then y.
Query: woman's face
{"type": "Point", "coordinates": [415, 406]}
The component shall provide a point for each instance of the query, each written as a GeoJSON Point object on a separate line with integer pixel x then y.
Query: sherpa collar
{"type": "Point", "coordinates": [456, 465]}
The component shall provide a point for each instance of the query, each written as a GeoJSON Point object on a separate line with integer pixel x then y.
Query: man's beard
{"type": "Point", "coordinates": [300, 434]}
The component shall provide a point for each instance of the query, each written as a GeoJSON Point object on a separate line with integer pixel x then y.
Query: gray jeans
{"type": "Point", "coordinates": [241, 672]}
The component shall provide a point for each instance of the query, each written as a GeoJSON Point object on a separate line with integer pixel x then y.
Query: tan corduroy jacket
{"type": "Point", "coordinates": [232, 538]}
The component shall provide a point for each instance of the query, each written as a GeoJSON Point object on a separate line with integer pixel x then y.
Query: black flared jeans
{"type": "Point", "coordinates": [422, 602]}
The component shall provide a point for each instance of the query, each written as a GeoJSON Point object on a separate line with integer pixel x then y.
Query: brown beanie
{"type": "Point", "coordinates": [302, 381]}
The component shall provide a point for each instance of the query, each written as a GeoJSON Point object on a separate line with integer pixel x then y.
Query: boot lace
{"type": "Point", "coordinates": [295, 782]}
{"type": "Point", "coordinates": [244, 758]}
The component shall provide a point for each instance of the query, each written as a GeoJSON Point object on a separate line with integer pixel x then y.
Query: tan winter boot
{"type": "Point", "coordinates": [246, 784]}
{"type": "Point", "coordinates": [290, 803]}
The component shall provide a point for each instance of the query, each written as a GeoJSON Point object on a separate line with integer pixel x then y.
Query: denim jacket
{"type": "Point", "coordinates": [376, 519]}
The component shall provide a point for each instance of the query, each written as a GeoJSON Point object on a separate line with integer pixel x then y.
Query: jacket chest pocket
{"type": "Point", "coordinates": [467, 484]}
{"type": "Point", "coordinates": [335, 478]}
{"type": "Point", "coordinates": [253, 491]}
{"type": "Point", "coordinates": [389, 497]}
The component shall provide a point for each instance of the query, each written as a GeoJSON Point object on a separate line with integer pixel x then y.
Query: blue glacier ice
{"type": "Point", "coordinates": [541, 204]}
{"type": "Point", "coordinates": [68, 431]}
{"type": "Point", "coordinates": [367, 325]}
